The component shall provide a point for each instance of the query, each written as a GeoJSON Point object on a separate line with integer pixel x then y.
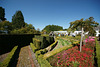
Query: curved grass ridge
{"type": "Point", "coordinates": [49, 48]}
{"type": "Point", "coordinates": [5, 63]}
{"type": "Point", "coordinates": [49, 54]}
{"type": "Point", "coordinates": [39, 54]}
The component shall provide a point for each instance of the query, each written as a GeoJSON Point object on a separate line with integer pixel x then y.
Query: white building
{"type": "Point", "coordinates": [61, 32]}
{"type": "Point", "coordinates": [97, 33]}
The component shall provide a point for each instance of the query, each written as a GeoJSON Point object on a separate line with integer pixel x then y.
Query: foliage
{"type": "Point", "coordinates": [28, 29]}
{"type": "Point", "coordinates": [42, 41]}
{"type": "Point", "coordinates": [2, 14]}
{"type": "Point", "coordinates": [43, 62]}
{"type": "Point", "coordinates": [50, 28]}
{"type": "Point", "coordinates": [37, 43]}
{"type": "Point", "coordinates": [49, 54]}
{"type": "Point", "coordinates": [87, 24]}
{"type": "Point", "coordinates": [5, 63]}
{"type": "Point", "coordinates": [6, 25]}
{"type": "Point", "coordinates": [74, 58]}
{"type": "Point", "coordinates": [33, 47]}
{"type": "Point", "coordinates": [49, 48]}
{"type": "Point", "coordinates": [18, 20]}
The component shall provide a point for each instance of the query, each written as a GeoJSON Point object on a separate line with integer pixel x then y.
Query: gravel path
{"type": "Point", "coordinates": [34, 58]}
{"type": "Point", "coordinates": [27, 58]}
{"type": "Point", "coordinates": [3, 56]}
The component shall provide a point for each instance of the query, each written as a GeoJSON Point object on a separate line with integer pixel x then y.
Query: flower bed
{"type": "Point", "coordinates": [74, 58]}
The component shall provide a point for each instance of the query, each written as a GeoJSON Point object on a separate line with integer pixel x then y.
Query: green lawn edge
{"type": "Point", "coordinates": [98, 53]}
{"type": "Point", "coordinates": [6, 61]}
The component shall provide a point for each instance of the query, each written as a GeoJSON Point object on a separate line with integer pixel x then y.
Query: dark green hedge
{"type": "Point", "coordinates": [7, 42]}
{"type": "Point", "coordinates": [42, 42]}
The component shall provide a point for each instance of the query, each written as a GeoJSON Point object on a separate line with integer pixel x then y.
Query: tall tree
{"type": "Point", "coordinates": [18, 20]}
{"type": "Point", "coordinates": [86, 25]}
{"type": "Point", "coordinates": [5, 25]}
{"type": "Point", "coordinates": [2, 14]}
{"type": "Point", "coordinates": [50, 28]}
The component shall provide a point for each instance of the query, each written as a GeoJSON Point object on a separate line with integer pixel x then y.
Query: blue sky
{"type": "Point", "coordinates": [40, 13]}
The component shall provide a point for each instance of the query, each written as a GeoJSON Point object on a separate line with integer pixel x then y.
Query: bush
{"type": "Point", "coordinates": [43, 62]}
{"type": "Point", "coordinates": [5, 63]}
{"type": "Point", "coordinates": [38, 44]}
{"type": "Point", "coordinates": [39, 56]}
{"type": "Point", "coordinates": [33, 47]}
{"type": "Point", "coordinates": [49, 54]}
{"type": "Point", "coordinates": [54, 44]}
{"type": "Point", "coordinates": [42, 51]}
{"type": "Point", "coordinates": [42, 41]}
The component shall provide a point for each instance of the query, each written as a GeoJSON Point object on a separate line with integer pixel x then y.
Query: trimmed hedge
{"type": "Point", "coordinates": [49, 54]}
{"type": "Point", "coordinates": [5, 63]}
{"type": "Point", "coordinates": [98, 53]}
{"type": "Point", "coordinates": [12, 40]}
{"type": "Point", "coordinates": [33, 47]}
{"type": "Point", "coordinates": [49, 48]}
{"type": "Point", "coordinates": [39, 56]}
{"type": "Point", "coordinates": [43, 62]}
{"type": "Point", "coordinates": [42, 42]}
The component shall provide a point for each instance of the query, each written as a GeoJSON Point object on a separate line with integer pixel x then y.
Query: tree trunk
{"type": "Point", "coordinates": [81, 40]}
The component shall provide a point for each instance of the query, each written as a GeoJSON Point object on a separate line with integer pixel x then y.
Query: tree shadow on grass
{"type": "Point", "coordinates": [14, 59]}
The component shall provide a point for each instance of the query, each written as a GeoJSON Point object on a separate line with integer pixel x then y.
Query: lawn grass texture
{"type": "Point", "coordinates": [98, 52]}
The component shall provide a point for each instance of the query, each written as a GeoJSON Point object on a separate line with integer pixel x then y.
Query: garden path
{"type": "Point", "coordinates": [27, 58]}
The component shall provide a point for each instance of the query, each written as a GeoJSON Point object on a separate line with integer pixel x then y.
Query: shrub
{"type": "Point", "coordinates": [49, 40]}
{"type": "Point", "coordinates": [34, 41]}
{"type": "Point", "coordinates": [38, 44]}
{"type": "Point", "coordinates": [49, 48]}
{"type": "Point", "coordinates": [53, 45]}
{"type": "Point", "coordinates": [49, 54]}
{"type": "Point", "coordinates": [42, 41]}
{"type": "Point", "coordinates": [5, 63]}
{"type": "Point", "coordinates": [42, 51]}
{"type": "Point", "coordinates": [33, 47]}
{"type": "Point", "coordinates": [43, 62]}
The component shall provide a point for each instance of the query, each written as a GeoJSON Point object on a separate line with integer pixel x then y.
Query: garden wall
{"type": "Point", "coordinates": [7, 42]}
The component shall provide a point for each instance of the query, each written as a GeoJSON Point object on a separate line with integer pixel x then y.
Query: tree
{"type": "Point", "coordinates": [86, 25]}
{"type": "Point", "coordinates": [2, 14]}
{"type": "Point", "coordinates": [18, 20]}
{"type": "Point", "coordinates": [5, 25]}
{"type": "Point", "coordinates": [50, 28]}
{"type": "Point", "coordinates": [28, 29]}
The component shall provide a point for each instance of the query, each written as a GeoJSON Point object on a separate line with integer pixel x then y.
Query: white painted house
{"type": "Point", "coordinates": [61, 32]}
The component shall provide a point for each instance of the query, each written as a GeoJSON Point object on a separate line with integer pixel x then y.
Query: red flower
{"type": "Point", "coordinates": [68, 64]}
{"type": "Point", "coordinates": [58, 57]}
